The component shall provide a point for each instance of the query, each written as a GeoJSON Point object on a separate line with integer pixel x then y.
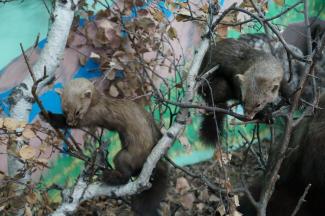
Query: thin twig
{"type": "Point", "coordinates": [301, 200]}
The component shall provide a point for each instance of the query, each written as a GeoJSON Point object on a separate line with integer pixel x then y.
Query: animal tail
{"type": "Point", "coordinates": [147, 202]}
{"type": "Point", "coordinates": [211, 127]}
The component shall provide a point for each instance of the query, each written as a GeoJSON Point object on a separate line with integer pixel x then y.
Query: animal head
{"type": "Point", "coordinates": [76, 98]}
{"type": "Point", "coordinates": [259, 88]}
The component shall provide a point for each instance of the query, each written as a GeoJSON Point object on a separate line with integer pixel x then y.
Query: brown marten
{"type": "Point", "coordinates": [251, 76]}
{"type": "Point", "coordinates": [84, 106]}
{"type": "Point", "coordinates": [304, 164]}
{"type": "Point", "coordinates": [296, 34]}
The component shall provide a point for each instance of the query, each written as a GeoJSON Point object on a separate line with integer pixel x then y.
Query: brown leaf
{"type": "Point", "coordinates": [110, 75]}
{"type": "Point", "coordinates": [172, 34]}
{"type": "Point", "coordinates": [204, 195]}
{"type": "Point", "coordinates": [28, 133]}
{"type": "Point", "coordinates": [157, 15]}
{"type": "Point", "coordinates": [31, 198]}
{"type": "Point", "coordinates": [82, 60]}
{"type": "Point", "coordinates": [279, 2]}
{"type": "Point", "coordinates": [139, 3]}
{"type": "Point", "coordinates": [182, 185]}
{"type": "Point", "coordinates": [187, 200]}
{"type": "Point", "coordinates": [222, 210]}
{"type": "Point", "coordinates": [28, 211]}
{"type": "Point", "coordinates": [12, 124]}
{"type": "Point", "coordinates": [145, 23]}
{"type": "Point", "coordinates": [181, 17]}
{"type": "Point", "coordinates": [27, 152]}
{"type": "Point", "coordinates": [205, 8]}
{"type": "Point", "coordinates": [142, 12]}
{"type": "Point", "coordinates": [200, 207]}
{"type": "Point", "coordinates": [214, 198]}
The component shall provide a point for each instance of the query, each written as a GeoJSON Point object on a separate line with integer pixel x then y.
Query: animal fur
{"type": "Point", "coordinates": [289, 86]}
{"type": "Point", "coordinates": [251, 76]}
{"type": "Point", "coordinates": [84, 106]}
{"type": "Point", "coordinates": [303, 165]}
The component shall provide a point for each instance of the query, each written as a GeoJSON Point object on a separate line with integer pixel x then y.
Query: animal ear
{"type": "Point", "coordinates": [240, 78]}
{"type": "Point", "coordinates": [59, 91]}
{"type": "Point", "coordinates": [87, 94]}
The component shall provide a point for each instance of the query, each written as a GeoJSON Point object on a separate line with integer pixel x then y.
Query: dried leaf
{"type": "Point", "coordinates": [43, 162]}
{"type": "Point", "coordinates": [182, 185]}
{"type": "Point", "coordinates": [187, 200]}
{"type": "Point", "coordinates": [142, 12]}
{"type": "Point", "coordinates": [31, 198]}
{"type": "Point", "coordinates": [157, 15]}
{"type": "Point", "coordinates": [205, 8]}
{"type": "Point", "coordinates": [111, 75]}
{"type": "Point", "coordinates": [27, 152]}
{"type": "Point", "coordinates": [145, 23]}
{"type": "Point", "coordinates": [82, 60]}
{"type": "Point", "coordinates": [184, 12]}
{"type": "Point", "coordinates": [200, 207]}
{"type": "Point", "coordinates": [279, 2]}
{"type": "Point", "coordinates": [181, 17]}
{"type": "Point", "coordinates": [204, 195]}
{"type": "Point", "coordinates": [12, 124]}
{"type": "Point", "coordinates": [139, 3]}
{"type": "Point", "coordinates": [28, 133]}
{"type": "Point", "coordinates": [172, 34]}
{"type": "Point", "coordinates": [222, 210]}
{"type": "Point", "coordinates": [28, 211]}
{"type": "Point", "coordinates": [214, 198]}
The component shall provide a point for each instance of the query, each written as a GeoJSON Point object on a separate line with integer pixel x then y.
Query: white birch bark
{"type": "Point", "coordinates": [50, 57]}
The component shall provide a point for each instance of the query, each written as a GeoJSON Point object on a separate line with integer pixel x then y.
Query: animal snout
{"type": "Point", "coordinates": [250, 115]}
{"type": "Point", "coordinates": [71, 121]}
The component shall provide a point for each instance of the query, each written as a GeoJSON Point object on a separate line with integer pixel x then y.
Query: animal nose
{"type": "Point", "coordinates": [70, 121]}
{"type": "Point", "coordinates": [250, 114]}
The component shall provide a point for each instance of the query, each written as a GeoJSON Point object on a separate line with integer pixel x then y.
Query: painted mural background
{"type": "Point", "coordinates": [24, 20]}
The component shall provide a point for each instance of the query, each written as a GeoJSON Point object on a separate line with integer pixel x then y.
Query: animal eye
{"type": "Point", "coordinates": [257, 105]}
{"type": "Point", "coordinates": [78, 112]}
{"type": "Point", "coordinates": [275, 88]}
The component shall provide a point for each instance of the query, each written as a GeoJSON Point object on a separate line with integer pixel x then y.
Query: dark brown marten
{"type": "Point", "coordinates": [251, 76]}
{"type": "Point", "coordinates": [84, 106]}
{"type": "Point", "coordinates": [303, 165]}
{"type": "Point", "coordinates": [296, 33]}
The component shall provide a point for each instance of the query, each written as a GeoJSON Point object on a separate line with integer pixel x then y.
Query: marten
{"type": "Point", "coordinates": [304, 164]}
{"type": "Point", "coordinates": [245, 74]}
{"type": "Point", "coordinates": [84, 106]}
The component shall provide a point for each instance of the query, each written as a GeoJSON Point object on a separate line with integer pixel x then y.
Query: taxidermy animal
{"type": "Point", "coordinates": [245, 74]}
{"type": "Point", "coordinates": [304, 164]}
{"type": "Point", "coordinates": [290, 82]}
{"type": "Point", "coordinates": [84, 106]}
